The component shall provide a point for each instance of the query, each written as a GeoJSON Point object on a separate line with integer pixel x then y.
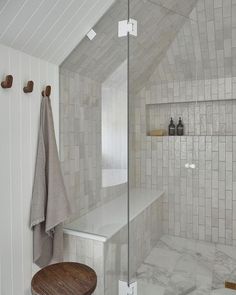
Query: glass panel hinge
{"type": "Point", "coordinates": [127, 26]}
{"type": "Point", "coordinates": [124, 289]}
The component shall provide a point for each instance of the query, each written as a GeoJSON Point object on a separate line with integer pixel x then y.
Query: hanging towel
{"type": "Point", "coordinates": [50, 205]}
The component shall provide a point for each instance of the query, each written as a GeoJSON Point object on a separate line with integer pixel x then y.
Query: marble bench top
{"type": "Point", "coordinates": [103, 222]}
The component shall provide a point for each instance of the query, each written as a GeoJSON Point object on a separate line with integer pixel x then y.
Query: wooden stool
{"type": "Point", "coordinates": [66, 278]}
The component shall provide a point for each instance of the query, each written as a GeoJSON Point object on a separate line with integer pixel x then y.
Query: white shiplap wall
{"type": "Point", "coordinates": [19, 120]}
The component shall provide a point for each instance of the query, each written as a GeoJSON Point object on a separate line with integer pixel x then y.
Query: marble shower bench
{"type": "Point", "coordinates": [99, 238]}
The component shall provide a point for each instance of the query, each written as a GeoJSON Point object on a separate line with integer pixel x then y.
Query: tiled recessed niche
{"type": "Point", "coordinates": [199, 118]}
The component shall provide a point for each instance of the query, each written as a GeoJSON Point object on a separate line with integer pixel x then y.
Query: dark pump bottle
{"type": "Point", "coordinates": [171, 127]}
{"type": "Point", "coordinates": [180, 128]}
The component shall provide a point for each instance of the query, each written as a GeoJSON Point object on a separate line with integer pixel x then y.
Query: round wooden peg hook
{"type": "Point", "coordinates": [47, 91]}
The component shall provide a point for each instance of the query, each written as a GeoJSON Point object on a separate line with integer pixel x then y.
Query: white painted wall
{"type": "Point", "coordinates": [19, 120]}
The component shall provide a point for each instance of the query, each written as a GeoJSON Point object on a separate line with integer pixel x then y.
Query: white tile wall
{"type": "Point", "coordinates": [110, 259]}
{"type": "Point", "coordinates": [198, 203]}
{"type": "Point", "coordinates": [201, 118]}
{"type": "Point", "coordinates": [81, 142]}
{"type": "Point", "coordinates": [145, 231]}
{"type": "Point", "coordinates": [198, 68]}
{"type": "Point", "coordinates": [205, 45]}
{"type": "Point", "coordinates": [80, 139]}
{"type": "Point", "coordinates": [88, 252]}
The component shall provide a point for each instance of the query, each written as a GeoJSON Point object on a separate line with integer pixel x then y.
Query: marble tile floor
{"type": "Point", "coordinates": [178, 266]}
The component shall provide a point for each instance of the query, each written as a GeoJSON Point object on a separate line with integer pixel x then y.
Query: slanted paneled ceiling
{"type": "Point", "coordinates": [48, 29]}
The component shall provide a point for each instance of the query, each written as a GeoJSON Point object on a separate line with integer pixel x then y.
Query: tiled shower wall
{"type": "Point", "coordinates": [81, 143]}
{"type": "Point", "coordinates": [201, 118]}
{"type": "Point", "coordinates": [80, 139]}
{"type": "Point", "coordinates": [199, 203]}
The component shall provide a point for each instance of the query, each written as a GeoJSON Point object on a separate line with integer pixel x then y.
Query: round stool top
{"type": "Point", "coordinates": [66, 278]}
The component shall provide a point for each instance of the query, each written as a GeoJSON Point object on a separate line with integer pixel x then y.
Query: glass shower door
{"type": "Point", "coordinates": [93, 147]}
{"type": "Point", "coordinates": [114, 149]}
{"type": "Point", "coordinates": [168, 179]}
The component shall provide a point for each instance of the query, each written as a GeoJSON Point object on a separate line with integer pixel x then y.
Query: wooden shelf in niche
{"type": "Point", "coordinates": [207, 118]}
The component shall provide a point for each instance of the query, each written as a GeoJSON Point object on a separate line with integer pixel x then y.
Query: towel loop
{"type": "Point", "coordinates": [7, 83]}
{"type": "Point", "coordinates": [47, 91]}
{"type": "Point", "coordinates": [29, 87]}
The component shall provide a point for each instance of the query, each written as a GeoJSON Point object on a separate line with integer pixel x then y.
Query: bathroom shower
{"type": "Point", "coordinates": [154, 199]}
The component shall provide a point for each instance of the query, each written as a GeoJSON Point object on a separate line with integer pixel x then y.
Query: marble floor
{"type": "Point", "coordinates": [178, 266]}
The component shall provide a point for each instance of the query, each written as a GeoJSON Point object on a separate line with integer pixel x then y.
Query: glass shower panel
{"type": "Point", "coordinates": [177, 184]}
{"type": "Point", "coordinates": [93, 146]}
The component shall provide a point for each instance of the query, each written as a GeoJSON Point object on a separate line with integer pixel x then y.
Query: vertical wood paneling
{"type": "Point", "coordinates": [31, 25]}
{"type": "Point", "coordinates": [25, 176]}
{"type": "Point", "coordinates": [19, 122]}
{"type": "Point", "coordinates": [74, 20]}
{"type": "Point", "coordinates": [51, 19]}
{"type": "Point", "coordinates": [27, 9]}
{"type": "Point", "coordinates": [15, 133]}
{"type": "Point", "coordinates": [73, 37]}
{"type": "Point", "coordinates": [6, 243]}
{"type": "Point", "coordinates": [9, 12]}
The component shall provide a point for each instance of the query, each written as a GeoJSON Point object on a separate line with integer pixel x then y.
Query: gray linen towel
{"type": "Point", "coordinates": [50, 205]}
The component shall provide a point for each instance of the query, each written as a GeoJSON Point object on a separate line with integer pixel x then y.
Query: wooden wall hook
{"type": "Point", "coordinates": [8, 82]}
{"type": "Point", "coordinates": [29, 87]}
{"type": "Point", "coordinates": [47, 91]}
